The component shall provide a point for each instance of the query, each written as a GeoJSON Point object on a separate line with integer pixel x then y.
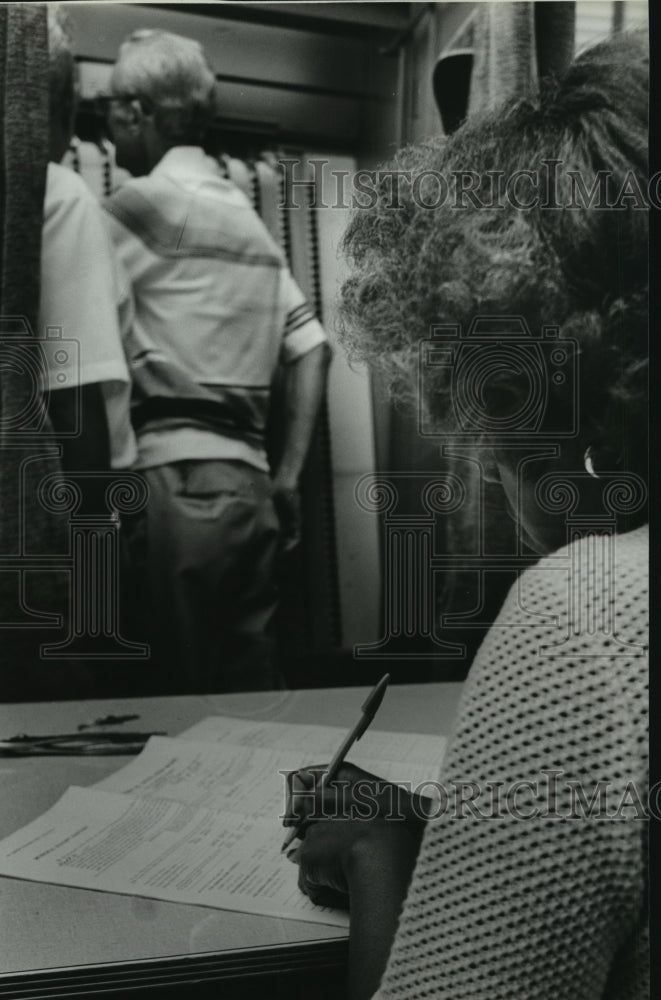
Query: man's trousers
{"type": "Point", "coordinates": [202, 563]}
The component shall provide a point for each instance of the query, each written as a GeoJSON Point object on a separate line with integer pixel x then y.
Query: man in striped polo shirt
{"type": "Point", "coordinates": [216, 312]}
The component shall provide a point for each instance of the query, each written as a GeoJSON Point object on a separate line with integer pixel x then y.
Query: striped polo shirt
{"type": "Point", "coordinates": [216, 311]}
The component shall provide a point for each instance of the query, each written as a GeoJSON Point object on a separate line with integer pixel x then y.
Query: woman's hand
{"type": "Point", "coordinates": [354, 794]}
{"type": "Point", "coordinates": [366, 865]}
{"type": "Point", "coordinates": [338, 855]}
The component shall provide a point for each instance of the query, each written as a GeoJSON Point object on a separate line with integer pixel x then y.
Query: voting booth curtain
{"type": "Point", "coordinates": [31, 535]}
{"type": "Point", "coordinates": [516, 45]}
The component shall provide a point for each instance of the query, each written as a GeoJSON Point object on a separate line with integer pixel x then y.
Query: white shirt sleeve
{"type": "Point", "coordinates": [303, 332]}
{"type": "Point", "coordinates": [81, 296]}
{"type": "Point", "coordinates": [79, 287]}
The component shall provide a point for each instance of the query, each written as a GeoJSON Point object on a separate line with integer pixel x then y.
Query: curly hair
{"type": "Point", "coordinates": [579, 266]}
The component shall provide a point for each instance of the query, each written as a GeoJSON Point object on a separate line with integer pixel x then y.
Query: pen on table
{"type": "Point", "coordinates": [72, 744]}
{"type": "Point", "coordinates": [107, 720]}
{"type": "Point", "coordinates": [368, 711]}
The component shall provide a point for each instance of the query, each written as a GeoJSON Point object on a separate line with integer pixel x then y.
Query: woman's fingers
{"type": "Point", "coordinates": [302, 794]}
{"type": "Point", "coordinates": [321, 894]}
{"type": "Point", "coordinates": [353, 793]}
{"type": "Point", "coordinates": [321, 858]}
{"type": "Point", "coordinates": [309, 797]}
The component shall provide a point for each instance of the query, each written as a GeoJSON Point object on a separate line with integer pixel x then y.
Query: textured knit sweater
{"type": "Point", "coordinates": [553, 906]}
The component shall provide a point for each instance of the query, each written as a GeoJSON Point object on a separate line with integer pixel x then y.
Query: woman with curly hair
{"type": "Point", "coordinates": [534, 885]}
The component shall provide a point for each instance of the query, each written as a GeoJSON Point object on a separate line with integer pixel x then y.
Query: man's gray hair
{"type": "Point", "coordinates": [171, 73]}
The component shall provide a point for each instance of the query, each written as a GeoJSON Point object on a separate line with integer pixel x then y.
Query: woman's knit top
{"type": "Point", "coordinates": [509, 903]}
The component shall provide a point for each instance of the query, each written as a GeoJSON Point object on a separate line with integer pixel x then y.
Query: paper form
{"type": "Point", "coordinates": [230, 777]}
{"type": "Point", "coordinates": [317, 744]}
{"type": "Point", "coordinates": [197, 820]}
{"type": "Point", "coordinates": [161, 849]}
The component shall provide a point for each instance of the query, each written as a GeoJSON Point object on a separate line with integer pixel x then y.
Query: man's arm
{"type": "Point", "coordinates": [305, 380]}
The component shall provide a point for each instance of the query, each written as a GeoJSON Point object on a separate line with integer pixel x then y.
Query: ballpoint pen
{"type": "Point", "coordinates": [75, 744]}
{"type": "Point", "coordinates": [368, 711]}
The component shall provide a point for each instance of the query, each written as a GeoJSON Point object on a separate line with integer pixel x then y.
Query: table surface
{"type": "Point", "coordinates": [50, 927]}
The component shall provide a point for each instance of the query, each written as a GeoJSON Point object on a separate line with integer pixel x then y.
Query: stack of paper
{"type": "Point", "coordinates": [198, 819]}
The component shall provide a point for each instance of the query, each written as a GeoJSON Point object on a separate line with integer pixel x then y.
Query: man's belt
{"type": "Point", "coordinates": [213, 414]}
